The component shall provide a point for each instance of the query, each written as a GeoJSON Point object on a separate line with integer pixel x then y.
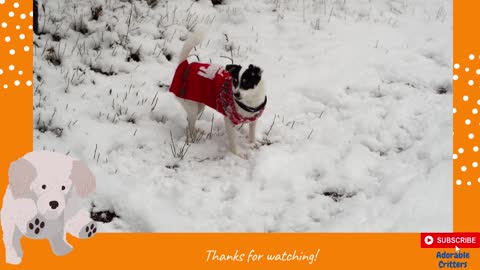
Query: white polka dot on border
{"type": "Point", "coordinates": [471, 57]}
{"type": "Point", "coordinates": [468, 122]}
{"type": "Point", "coordinates": [17, 27]}
{"type": "Point", "coordinates": [475, 149]}
{"type": "Point", "coordinates": [21, 36]}
{"type": "Point", "coordinates": [2, 2]}
{"type": "Point", "coordinates": [23, 16]}
{"type": "Point", "coordinates": [454, 110]}
{"type": "Point", "coordinates": [455, 156]}
{"type": "Point", "coordinates": [20, 72]}
{"type": "Point", "coordinates": [469, 183]}
{"type": "Point", "coordinates": [7, 39]}
{"type": "Point", "coordinates": [471, 136]}
{"type": "Point", "coordinates": [30, 27]}
{"type": "Point", "coordinates": [471, 82]}
{"type": "Point", "coordinates": [11, 14]}
{"type": "Point", "coordinates": [11, 67]}
{"type": "Point", "coordinates": [474, 110]}
{"type": "Point", "coordinates": [29, 83]}
{"type": "Point", "coordinates": [465, 98]}
{"type": "Point", "coordinates": [467, 69]}
{"type": "Point", "coordinates": [460, 150]}
{"type": "Point", "coordinates": [17, 83]}
{"type": "Point", "coordinates": [456, 66]}
{"type": "Point", "coordinates": [463, 168]}
{"type": "Point", "coordinates": [475, 164]}
{"type": "Point", "coordinates": [455, 77]}
{"type": "Point", "coordinates": [478, 71]}
{"type": "Point", "coordinates": [459, 182]}
{"type": "Point", "coordinates": [16, 5]}
{"type": "Point", "coordinates": [26, 48]}
{"type": "Point", "coordinates": [1, 71]}
{"type": "Point", "coordinates": [4, 25]}
{"type": "Point", "coordinates": [5, 86]}
{"type": "Point", "coordinates": [12, 52]}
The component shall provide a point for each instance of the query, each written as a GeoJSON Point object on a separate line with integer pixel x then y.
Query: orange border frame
{"type": "Point", "coordinates": [182, 250]}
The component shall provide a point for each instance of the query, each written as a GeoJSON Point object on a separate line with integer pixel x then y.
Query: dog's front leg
{"type": "Point", "coordinates": [230, 130]}
{"type": "Point", "coordinates": [81, 225]}
{"type": "Point", "coordinates": [25, 212]}
{"type": "Point", "coordinates": [59, 244]}
{"type": "Point", "coordinates": [252, 132]}
{"type": "Point", "coordinates": [27, 219]}
{"type": "Point", "coordinates": [11, 240]}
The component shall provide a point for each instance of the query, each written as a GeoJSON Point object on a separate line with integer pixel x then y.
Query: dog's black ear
{"type": "Point", "coordinates": [255, 69]}
{"type": "Point", "coordinates": [234, 70]}
{"type": "Point", "coordinates": [260, 71]}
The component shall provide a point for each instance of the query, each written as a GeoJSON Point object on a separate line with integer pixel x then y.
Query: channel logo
{"type": "Point", "coordinates": [428, 240]}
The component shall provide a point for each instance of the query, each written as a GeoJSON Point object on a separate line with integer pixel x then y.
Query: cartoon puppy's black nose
{"type": "Point", "coordinates": [53, 204]}
{"type": "Point", "coordinates": [237, 95]}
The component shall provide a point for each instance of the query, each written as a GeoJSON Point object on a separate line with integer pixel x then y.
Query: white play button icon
{"type": "Point", "coordinates": [428, 240]}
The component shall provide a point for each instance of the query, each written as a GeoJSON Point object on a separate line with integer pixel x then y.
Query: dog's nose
{"type": "Point", "coordinates": [237, 95]}
{"type": "Point", "coordinates": [53, 204]}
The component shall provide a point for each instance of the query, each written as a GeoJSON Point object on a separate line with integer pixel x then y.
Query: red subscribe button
{"type": "Point", "coordinates": [450, 240]}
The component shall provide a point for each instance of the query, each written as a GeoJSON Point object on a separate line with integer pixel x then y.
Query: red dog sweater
{"type": "Point", "coordinates": [210, 85]}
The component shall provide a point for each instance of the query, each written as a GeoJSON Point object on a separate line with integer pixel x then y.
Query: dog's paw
{"type": "Point", "coordinates": [255, 145]}
{"type": "Point", "coordinates": [88, 230]}
{"type": "Point", "coordinates": [35, 227]}
{"type": "Point", "coordinates": [60, 247]}
{"type": "Point", "coordinates": [241, 154]}
{"type": "Point", "coordinates": [13, 256]}
{"type": "Point", "coordinates": [13, 259]}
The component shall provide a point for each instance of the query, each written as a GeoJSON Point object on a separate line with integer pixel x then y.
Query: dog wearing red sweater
{"type": "Point", "coordinates": [237, 93]}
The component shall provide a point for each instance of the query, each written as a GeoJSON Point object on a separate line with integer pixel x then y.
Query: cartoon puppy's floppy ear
{"type": "Point", "coordinates": [82, 178]}
{"type": "Point", "coordinates": [21, 174]}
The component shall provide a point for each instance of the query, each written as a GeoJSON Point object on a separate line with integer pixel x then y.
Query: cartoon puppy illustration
{"type": "Point", "coordinates": [44, 201]}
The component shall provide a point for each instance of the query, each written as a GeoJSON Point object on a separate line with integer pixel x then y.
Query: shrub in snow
{"type": "Point", "coordinates": [96, 12]}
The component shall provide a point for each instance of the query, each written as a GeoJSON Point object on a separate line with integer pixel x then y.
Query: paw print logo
{"type": "Point", "coordinates": [35, 226]}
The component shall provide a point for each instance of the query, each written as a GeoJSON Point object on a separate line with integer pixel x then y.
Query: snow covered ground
{"type": "Point", "coordinates": [356, 135]}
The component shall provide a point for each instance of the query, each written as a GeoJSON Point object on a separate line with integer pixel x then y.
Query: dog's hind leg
{"type": "Point", "coordinates": [200, 109]}
{"type": "Point", "coordinates": [11, 240]}
{"type": "Point", "coordinates": [81, 225]}
{"type": "Point", "coordinates": [59, 244]}
{"type": "Point", "coordinates": [77, 219]}
{"type": "Point", "coordinates": [191, 108]}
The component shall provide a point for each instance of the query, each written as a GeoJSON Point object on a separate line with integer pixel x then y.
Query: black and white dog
{"type": "Point", "coordinates": [236, 92]}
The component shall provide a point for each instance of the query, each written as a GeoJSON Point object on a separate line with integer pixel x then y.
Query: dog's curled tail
{"type": "Point", "coordinates": [195, 39]}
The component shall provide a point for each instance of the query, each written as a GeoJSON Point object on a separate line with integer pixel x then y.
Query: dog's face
{"type": "Point", "coordinates": [244, 79]}
{"type": "Point", "coordinates": [49, 179]}
{"type": "Point", "coordinates": [51, 193]}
